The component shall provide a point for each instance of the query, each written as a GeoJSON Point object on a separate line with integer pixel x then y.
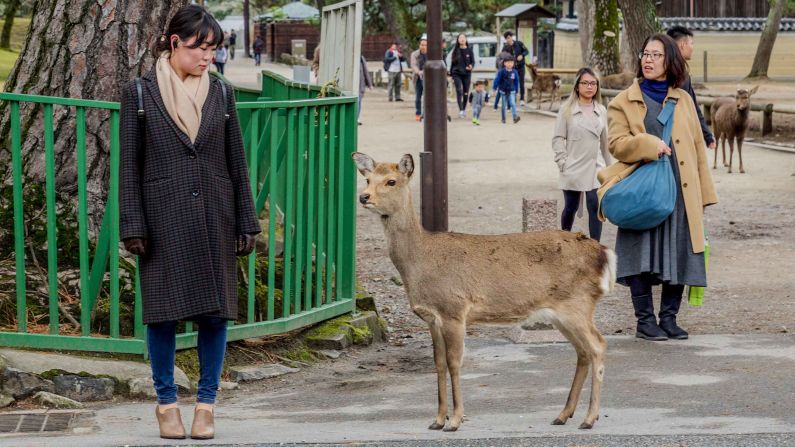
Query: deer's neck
{"type": "Point", "coordinates": [404, 236]}
{"type": "Point", "coordinates": [742, 116]}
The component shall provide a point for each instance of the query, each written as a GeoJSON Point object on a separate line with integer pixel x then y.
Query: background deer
{"type": "Point", "coordinates": [543, 83]}
{"type": "Point", "coordinates": [453, 279]}
{"type": "Point", "coordinates": [729, 122]}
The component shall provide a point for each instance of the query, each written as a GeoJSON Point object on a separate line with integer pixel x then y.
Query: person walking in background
{"type": "Point", "coordinates": [232, 41]}
{"type": "Point", "coordinates": [418, 59]}
{"type": "Point", "coordinates": [580, 147]}
{"type": "Point", "coordinates": [499, 59]}
{"type": "Point", "coordinates": [221, 54]}
{"type": "Point", "coordinates": [394, 68]}
{"type": "Point", "coordinates": [185, 208]}
{"type": "Point", "coordinates": [506, 83]}
{"type": "Point", "coordinates": [478, 98]}
{"type": "Point", "coordinates": [462, 61]}
{"type": "Point", "coordinates": [519, 52]}
{"type": "Point", "coordinates": [365, 82]}
{"type": "Point", "coordinates": [684, 41]}
{"type": "Point", "coordinates": [259, 45]}
{"type": "Point", "coordinates": [671, 254]}
{"type": "Point", "coordinates": [316, 63]}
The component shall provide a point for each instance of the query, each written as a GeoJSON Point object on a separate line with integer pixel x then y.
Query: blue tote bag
{"type": "Point", "coordinates": [648, 196]}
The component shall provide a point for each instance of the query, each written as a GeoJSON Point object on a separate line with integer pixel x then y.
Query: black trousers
{"type": "Point", "coordinates": [640, 285]}
{"type": "Point", "coordinates": [571, 201]}
{"type": "Point", "coordinates": [521, 68]}
{"type": "Point", "coordinates": [462, 89]}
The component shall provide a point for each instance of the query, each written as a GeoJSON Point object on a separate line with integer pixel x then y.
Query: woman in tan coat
{"type": "Point", "coordinates": [671, 254]}
{"type": "Point", "coordinates": [580, 147]}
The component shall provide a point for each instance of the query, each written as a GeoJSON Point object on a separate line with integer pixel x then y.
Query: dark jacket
{"type": "Point", "coordinates": [517, 49]}
{"type": "Point", "coordinates": [190, 201]}
{"type": "Point", "coordinates": [462, 57]}
{"type": "Point", "coordinates": [688, 87]}
{"type": "Point", "coordinates": [389, 58]}
{"type": "Point", "coordinates": [506, 81]}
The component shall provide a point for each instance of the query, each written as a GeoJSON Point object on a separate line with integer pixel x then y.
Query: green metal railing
{"type": "Point", "coordinates": [298, 150]}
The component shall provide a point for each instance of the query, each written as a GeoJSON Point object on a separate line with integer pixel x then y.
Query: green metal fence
{"type": "Point", "coordinates": [298, 149]}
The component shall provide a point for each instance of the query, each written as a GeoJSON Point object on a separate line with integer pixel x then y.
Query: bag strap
{"type": "Point", "coordinates": [141, 124]}
{"type": "Point", "coordinates": [226, 104]}
{"type": "Point", "coordinates": [666, 118]}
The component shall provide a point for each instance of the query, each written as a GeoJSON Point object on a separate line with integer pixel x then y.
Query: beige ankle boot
{"type": "Point", "coordinates": [170, 422]}
{"type": "Point", "coordinates": [203, 424]}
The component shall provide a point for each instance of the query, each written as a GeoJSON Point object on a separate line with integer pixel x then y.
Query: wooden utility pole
{"type": "Point", "coordinates": [246, 40]}
{"type": "Point", "coordinates": [434, 160]}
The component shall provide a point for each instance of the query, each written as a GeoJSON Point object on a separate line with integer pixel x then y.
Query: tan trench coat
{"type": "Point", "coordinates": [580, 147]}
{"type": "Point", "coordinates": [631, 145]}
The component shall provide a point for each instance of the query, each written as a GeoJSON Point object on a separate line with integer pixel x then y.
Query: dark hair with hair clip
{"type": "Point", "coordinates": [191, 21]}
{"type": "Point", "coordinates": [676, 71]}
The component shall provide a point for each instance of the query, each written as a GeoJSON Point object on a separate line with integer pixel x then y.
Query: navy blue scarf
{"type": "Point", "coordinates": [656, 90]}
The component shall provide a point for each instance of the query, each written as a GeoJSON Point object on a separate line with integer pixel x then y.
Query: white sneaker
{"type": "Point", "coordinates": [521, 103]}
{"type": "Point", "coordinates": [462, 114]}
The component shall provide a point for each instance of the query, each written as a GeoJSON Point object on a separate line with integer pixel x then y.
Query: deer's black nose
{"type": "Point", "coordinates": [364, 198]}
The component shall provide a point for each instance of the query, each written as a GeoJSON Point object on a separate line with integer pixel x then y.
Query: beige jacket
{"type": "Point", "coordinates": [580, 147]}
{"type": "Point", "coordinates": [631, 145]}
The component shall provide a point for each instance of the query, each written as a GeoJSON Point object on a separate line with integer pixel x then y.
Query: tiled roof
{"type": "Point", "coordinates": [750, 24]}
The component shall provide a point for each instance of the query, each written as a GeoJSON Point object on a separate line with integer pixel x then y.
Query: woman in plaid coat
{"type": "Point", "coordinates": [186, 207]}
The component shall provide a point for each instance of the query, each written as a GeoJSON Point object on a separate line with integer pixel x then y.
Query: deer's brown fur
{"type": "Point", "coordinates": [543, 83]}
{"type": "Point", "coordinates": [730, 122]}
{"type": "Point", "coordinates": [454, 279]}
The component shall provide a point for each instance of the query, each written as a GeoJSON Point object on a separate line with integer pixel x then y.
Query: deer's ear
{"type": "Point", "coordinates": [406, 165]}
{"type": "Point", "coordinates": [753, 90]}
{"type": "Point", "coordinates": [364, 163]}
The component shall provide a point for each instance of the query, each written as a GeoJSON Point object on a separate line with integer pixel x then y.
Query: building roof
{"type": "Point", "coordinates": [298, 11]}
{"type": "Point", "coordinates": [753, 24]}
{"type": "Point", "coordinates": [531, 9]}
{"type": "Point", "coordinates": [748, 24]}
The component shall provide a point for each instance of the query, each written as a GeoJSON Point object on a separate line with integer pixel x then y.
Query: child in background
{"type": "Point", "coordinates": [478, 98]}
{"type": "Point", "coordinates": [507, 84]}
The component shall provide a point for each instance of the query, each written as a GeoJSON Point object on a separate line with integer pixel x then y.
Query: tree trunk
{"type": "Point", "coordinates": [79, 49]}
{"type": "Point", "coordinates": [585, 19]}
{"type": "Point", "coordinates": [604, 55]}
{"type": "Point", "coordinates": [12, 6]}
{"type": "Point", "coordinates": [640, 22]}
{"type": "Point", "coordinates": [768, 39]}
{"type": "Point", "coordinates": [246, 31]}
{"type": "Point", "coordinates": [387, 8]}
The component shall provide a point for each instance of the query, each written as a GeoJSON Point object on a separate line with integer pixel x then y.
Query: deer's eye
{"type": "Point", "coordinates": [367, 180]}
{"type": "Point", "coordinates": [391, 183]}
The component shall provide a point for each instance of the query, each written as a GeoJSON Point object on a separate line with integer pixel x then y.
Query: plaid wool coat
{"type": "Point", "coordinates": [190, 201]}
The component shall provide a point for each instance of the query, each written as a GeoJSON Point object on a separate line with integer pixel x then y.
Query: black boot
{"type": "Point", "coordinates": [647, 323]}
{"type": "Point", "coordinates": [669, 307]}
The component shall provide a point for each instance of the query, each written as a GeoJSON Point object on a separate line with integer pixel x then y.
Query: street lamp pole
{"type": "Point", "coordinates": [434, 159]}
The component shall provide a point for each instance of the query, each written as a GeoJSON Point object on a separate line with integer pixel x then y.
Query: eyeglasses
{"type": "Point", "coordinates": [588, 83]}
{"type": "Point", "coordinates": [654, 56]}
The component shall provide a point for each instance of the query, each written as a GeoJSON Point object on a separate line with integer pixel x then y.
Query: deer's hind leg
{"type": "Point", "coordinates": [440, 360]}
{"type": "Point", "coordinates": [731, 154]}
{"type": "Point", "coordinates": [571, 330]}
{"type": "Point", "coordinates": [740, 139]}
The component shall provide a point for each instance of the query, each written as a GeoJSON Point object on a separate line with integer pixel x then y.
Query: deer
{"type": "Point", "coordinates": [454, 279]}
{"type": "Point", "coordinates": [543, 83]}
{"type": "Point", "coordinates": [730, 122]}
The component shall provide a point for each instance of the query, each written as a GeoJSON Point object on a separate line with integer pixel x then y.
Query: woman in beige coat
{"type": "Point", "coordinates": [580, 147]}
{"type": "Point", "coordinates": [671, 254]}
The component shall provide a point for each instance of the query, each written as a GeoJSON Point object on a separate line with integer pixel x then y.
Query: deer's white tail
{"type": "Point", "coordinates": [608, 282]}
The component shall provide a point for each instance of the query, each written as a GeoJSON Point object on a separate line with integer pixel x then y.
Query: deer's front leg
{"type": "Point", "coordinates": [440, 359]}
{"type": "Point", "coordinates": [454, 332]}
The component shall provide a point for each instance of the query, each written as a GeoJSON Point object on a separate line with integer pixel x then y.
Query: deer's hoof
{"type": "Point", "coordinates": [742, 171]}
{"type": "Point", "coordinates": [729, 171]}
{"type": "Point", "coordinates": [451, 428]}
{"type": "Point", "coordinates": [558, 421]}
{"type": "Point", "coordinates": [585, 426]}
{"type": "Point", "coordinates": [435, 426]}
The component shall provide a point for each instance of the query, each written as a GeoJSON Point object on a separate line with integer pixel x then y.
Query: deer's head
{"type": "Point", "coordinates": [743, 97]}
{"type": "Point", "coordinates": [387, 189]}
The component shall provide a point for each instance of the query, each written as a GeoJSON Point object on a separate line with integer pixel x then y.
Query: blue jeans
{"type": "Point", "coordinates": [476, 111]}
{"type": "Point", "coordinates": [257, 58]}
{"type": "Point", "coordinates": [418, 89]}
{"type": "Point", "coordinates": [497, 100]}
{"type": "Point", "coordinates": [508, 101]}
{"type": "Point", "coordinates": [161, 341]}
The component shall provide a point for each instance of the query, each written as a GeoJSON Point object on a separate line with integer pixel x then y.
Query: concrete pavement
{"type": "Point", "coordinates": [709, 388]}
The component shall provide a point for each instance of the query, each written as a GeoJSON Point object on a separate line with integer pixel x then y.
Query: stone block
{"type": "Point", "coordinates": [51, 400]}
{"type": "Point", "coordinates": [249, 373]}
{"type": "Point", "coordinates": [142, 387]}
{"type": "Point", "coordinates": [338, 341]}
{"type": "Point", "coordinates": [84, 389]}
{"type": "Point", "coordinates": [21, 384]}
{"type": "Point", "coordinates": [372, 322]}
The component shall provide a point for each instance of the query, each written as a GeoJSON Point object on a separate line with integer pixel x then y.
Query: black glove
{"type": "Point", "coordinates": [135, 246]}
{"type": "Point", "coordinates": [245, 244]}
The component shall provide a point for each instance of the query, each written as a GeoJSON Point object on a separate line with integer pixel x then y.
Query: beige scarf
{"type": "Point", "coordinates": [183, 99]}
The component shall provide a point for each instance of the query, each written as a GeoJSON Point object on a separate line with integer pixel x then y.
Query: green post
{"type": "Point", "coordinates": [82, 217]}
{"type": "Point", "coordinates": [52, 218]}
{"type": "Point", "coordinates": [19, 219]}
{"type": "Point", "coordinates": [252, 258]}
{"type": "Point", "coordinates": [113, 209]}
